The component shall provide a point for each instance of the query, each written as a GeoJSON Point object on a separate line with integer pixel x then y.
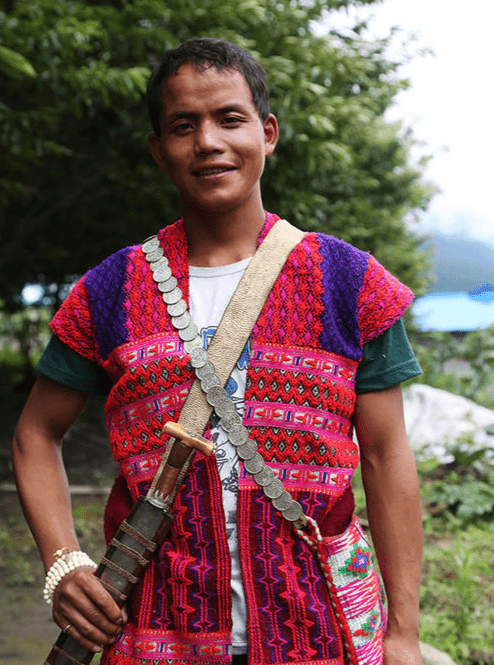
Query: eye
{"type": "Point", "coordinates": [232, 120]}
{"type": "Point", "coordinates": [182, 128]}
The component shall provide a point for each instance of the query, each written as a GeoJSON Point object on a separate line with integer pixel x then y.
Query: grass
{"type": "Point", "coordinates": [457, 593]}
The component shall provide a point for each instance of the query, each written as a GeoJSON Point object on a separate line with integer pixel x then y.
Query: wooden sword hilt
{"type": "Point", "coordinates": [175, 463]}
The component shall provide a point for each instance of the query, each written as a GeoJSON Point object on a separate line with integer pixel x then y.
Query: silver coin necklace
{"type": "Point", "coordinates": [215, 394]}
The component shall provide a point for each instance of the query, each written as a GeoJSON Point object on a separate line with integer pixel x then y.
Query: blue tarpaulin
{"type": "Point", "coordinates": [456, 311]}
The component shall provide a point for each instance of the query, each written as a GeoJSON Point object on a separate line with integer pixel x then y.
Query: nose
{"type": "Point", "coordinates": [208, 138]}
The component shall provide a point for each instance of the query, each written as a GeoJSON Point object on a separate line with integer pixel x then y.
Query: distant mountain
{"type": "Point", "coordinates": [461, 265]}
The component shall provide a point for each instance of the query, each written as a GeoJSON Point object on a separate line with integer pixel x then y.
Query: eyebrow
{"type": "Point", "coordinates": [223, 110]}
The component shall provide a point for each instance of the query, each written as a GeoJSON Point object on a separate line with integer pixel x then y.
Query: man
{"type": "Point", "coordinates": [328, 350]}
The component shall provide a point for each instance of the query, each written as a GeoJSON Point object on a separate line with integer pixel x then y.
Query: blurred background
{"type": "Point", "coordinates": [386, 141]}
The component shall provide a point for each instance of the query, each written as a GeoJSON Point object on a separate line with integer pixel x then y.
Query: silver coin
{"type": "Point", "coordinates": [155, 255]}
{"type": "Point", "coordinates": [162, 274]}
{"type": "Point", "coordinates": [240, 429]}
{"type": "Point", "coordinates": [207, 368]}
{"type": "Point", "coordinates": [229, 423]}
{"type": "Point", "coordinates": [177, 308]}
{"type": "Point", "coordinates": [172, 297]}
{"type": "Point", "coordinates": [150, 245]}
{"type": "Point", "coordinates": [199, 356]}
{"type": "Point", "coordinates": [214, 393]}
{"type": "Point", "coordinates": [274, 489]}
{"type": "Point", "coordinates": [238, 435]}
{"type": "Point", "coordinates": [247, 450]}
{"type": "Point", "coordinates": [160, 263]}
{"type": "Point", "coordinates": [294, 512]}
{"type": "Point", "coordinates": [264, 477]}
{"type": "Point", "coordinates": [182, 321]}
{"type": "Point", "coordinates": [225, 408]}
{"type": "Point", "coordinates": [192, 344]}
{"type": "Point", "coordinates": [167, 285]}
{"type": "Point", "coordinates": [189, 333]}
{"type": "Point", "coordinates": [283, 501]}
{"type": "Point", "coordinates": [255, 464]}
{"type": "Point", "coordinates": [210, 381]}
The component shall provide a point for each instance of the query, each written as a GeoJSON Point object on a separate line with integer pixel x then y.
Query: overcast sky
{"type": "Point", "coordinates": [450, 104]}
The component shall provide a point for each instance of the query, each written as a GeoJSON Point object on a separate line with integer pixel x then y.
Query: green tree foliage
{"type": "Point", "coordinates": [77, 182]}
{"type": "Point", "coordinates": [460, 366]}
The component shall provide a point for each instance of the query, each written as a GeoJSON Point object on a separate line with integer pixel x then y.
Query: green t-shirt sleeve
{"type": "Point", "coordinates": [62, 364]}
{"type": "Point", "coordinates": [387, 361]}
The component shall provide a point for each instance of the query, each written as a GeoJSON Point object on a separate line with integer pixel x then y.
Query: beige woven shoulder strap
{"type": "Point", "coordinates": [240, 316]}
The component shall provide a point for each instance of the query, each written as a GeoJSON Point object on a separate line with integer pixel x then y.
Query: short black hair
{"type": "Point", "coordinates": [202, 53]}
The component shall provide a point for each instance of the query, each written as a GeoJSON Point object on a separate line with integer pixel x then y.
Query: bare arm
{"type": "Point", "coordinates": [393, 506]}
{"type": "Point", "coordinates": [80, 599]}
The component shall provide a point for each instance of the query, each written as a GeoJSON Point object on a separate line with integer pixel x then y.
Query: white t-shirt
{"type": "Point", "coordinates": [210, 291]}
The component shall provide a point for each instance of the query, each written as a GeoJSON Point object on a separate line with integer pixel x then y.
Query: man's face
{"type": "Point", "coordinates": [213, 144]}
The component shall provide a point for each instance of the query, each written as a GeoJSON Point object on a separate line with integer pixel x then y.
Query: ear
{"type": "Point", "coordinates": [270, 126]}
{"type": "Point", "coordinates": [154, 143]}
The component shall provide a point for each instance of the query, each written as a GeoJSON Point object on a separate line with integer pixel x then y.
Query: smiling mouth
{"type": "Point", "coordinates": [213, 171]}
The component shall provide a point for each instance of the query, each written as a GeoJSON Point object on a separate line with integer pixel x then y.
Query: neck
{"type": "Point", "coordinates": [219, 239]}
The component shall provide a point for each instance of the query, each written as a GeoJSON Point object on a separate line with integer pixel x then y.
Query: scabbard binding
{"type": "Point", "coordinates": [123, 565]}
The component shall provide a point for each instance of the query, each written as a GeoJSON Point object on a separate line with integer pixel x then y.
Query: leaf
{"type": "Point", "coordinates": [14, 64]}
{"type": "Point", "coordinates": [139, 77]}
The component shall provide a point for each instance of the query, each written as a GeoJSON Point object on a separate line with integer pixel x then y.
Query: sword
{"type": "Point", "coordinates": [139, 535]}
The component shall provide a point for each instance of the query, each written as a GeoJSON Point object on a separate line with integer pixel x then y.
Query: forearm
{"type": "Point", "coordinates": [393, 507]}
{"type": "Point", "coordinates": [40, 475]}
{"type": "Point", "coordinates": [80, 600]}
{"type": "Point", "coordinates": [43, 492]}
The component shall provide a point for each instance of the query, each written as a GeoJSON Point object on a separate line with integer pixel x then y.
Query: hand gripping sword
{"type": "Point", "coordinates": [139, 535]}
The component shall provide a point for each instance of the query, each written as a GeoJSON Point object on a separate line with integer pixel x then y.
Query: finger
{"type": "Point", "coordinates": [101, 597]}
{"type": "Point", "coordinates": [87, 631]}
{"type": "Point", "coordinates": [95, 617]}
{"type": "Point", "coordinates": [87, 620]}
{"type": "Point", "coordinates": [97, 593]}
{"type": "Point", "coordinates": [83, 591]}
{"type": "Point", "coordinates": [84, 641]}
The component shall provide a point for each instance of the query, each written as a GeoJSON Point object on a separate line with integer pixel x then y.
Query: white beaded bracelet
{"type": "Point", "coordinates": [63, 565]}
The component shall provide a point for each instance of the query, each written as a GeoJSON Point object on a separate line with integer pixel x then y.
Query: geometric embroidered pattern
{"type": "Point", "coordinates": [142, 467]}
{"type": "Point", "coordinates": [151, 348]}
{"type": "Point", "coordinates": [167, 646]}
{"type": "Point", "coordinates": [300, 477]}
{"type": "Point", "coordinates": [287, 416]}
{"type": "Point", "coordinates": [310, 361]}
{"type": "Point", "coordinates": [359, 591]}
{"type": "Point", "coordinates": [369, 626]}
{"type": "Point", "coordinates": [291, 446]}
{"type": "Point", "coordinates": [359, 562]}
{"type": "Point", "coordinates": [72, 323]}
{"type": "Point", "coordinates": [152, 405]}
{"type": "Point", "coordinates": [301, 388]}
{"type": "Point", "coordinates": [381, 301]}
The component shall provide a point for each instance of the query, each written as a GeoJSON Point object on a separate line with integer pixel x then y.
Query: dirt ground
{"type": "Point", "coordinates": [27, 630]}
